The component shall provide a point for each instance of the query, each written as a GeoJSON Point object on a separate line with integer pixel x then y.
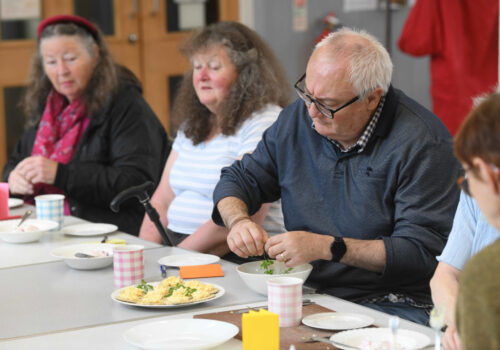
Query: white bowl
{"type": "Point", "coordinates": [68, 254]}
{"type": "Point", "coordinates": [9, 234]}
{"type": "Point", "coordinates": [253, 275]}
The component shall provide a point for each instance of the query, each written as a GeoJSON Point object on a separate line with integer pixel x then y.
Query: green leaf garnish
{"type": "Point", "coordinates": [266, 263]}
{"type": "Point", "coordinates": [145, 287]}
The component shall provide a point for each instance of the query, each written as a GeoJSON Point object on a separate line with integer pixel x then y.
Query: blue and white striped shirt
{"type": "Point", "coordinates": [197, 169]}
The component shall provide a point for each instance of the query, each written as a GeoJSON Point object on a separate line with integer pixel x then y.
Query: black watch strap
{"type": "Point", "coordinates": [338, 249]}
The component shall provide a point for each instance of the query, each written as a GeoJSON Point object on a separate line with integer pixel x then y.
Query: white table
{"type": "Point", "coordinates": [111, 336]}
{"type": "Point", "coordinates": [52, 297]}
{"type": "Point", "coordinates": [12, 255]}
{"type": "Point", "coordinates": [46, 305]}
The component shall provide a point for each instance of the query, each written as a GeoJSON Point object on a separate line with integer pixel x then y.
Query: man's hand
{"type": "Point", "coordinates": [299, 247]}
{"type": "Point", "coordinates": [246, 238]}
{"type": "Point", "coordinates": [38, 169]}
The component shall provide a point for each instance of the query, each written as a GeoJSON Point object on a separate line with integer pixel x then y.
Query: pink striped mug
{"type": "Point", "coordinates": [285, 299]}
{"type": "Point", "coordinates": [128, 265]}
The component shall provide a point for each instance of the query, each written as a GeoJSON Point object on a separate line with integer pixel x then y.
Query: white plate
{"type": "Point", "coordinates": [9, 234]}
{"type": "Point", "coordinates": [406, 339]}
{"type": "Point", "coordinates": [89, 229]}
{"type": "Point", "coordinates": [188, 260]}
{"type": "Point", "coordinates": [68, 254]}
{"type": "Point", "coordinates": [186, 334]}
{"type": "Point", "coordinates": [15, 202]}
{"type": "Point", "coordinates": [220, 293]}
{"type": "Point", "coordinates": [337, 320]}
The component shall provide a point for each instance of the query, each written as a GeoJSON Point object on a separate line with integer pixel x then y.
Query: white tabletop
{"type": "Point", "coordinates": [51, 297]}
{"type": "Point", "coordinates": [44, 304]}
{"type": "Point", "coordinates": [111, 336]}
{"type": "Point", "coordinates": [12, 254]}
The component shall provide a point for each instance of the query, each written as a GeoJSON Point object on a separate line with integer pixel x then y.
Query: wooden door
{"type": "Point", "coordinates": [163, 64]}
{"type": "Point", "coordinates": [137, 35]}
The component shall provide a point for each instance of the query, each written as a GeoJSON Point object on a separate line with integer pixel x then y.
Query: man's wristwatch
{"type": "Point", "coordinates": [338, 249]}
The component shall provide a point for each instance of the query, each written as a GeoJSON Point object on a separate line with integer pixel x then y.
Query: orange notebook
{"type": "Point", "coordinates": [199, 271]}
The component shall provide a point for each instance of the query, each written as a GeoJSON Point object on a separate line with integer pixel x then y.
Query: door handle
{"type": "Point", "coordinates": [156, 6]}
{"type": "Point", "coordinates": [135, 8]}
{"type": "Point", "coordinates": [132, 38]}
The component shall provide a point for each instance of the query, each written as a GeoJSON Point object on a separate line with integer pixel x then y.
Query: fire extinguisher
{"type": "Point", "coordinates": [330, 24]}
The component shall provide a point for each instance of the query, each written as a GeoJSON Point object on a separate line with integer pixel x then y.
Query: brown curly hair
{"type": "Point", "coordinates": [261, 80]}
{"type": "Point", "coordinates": [102, 85]}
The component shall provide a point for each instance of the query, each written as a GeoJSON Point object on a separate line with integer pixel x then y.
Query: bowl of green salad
{"type": "Point", "coordinates": [256, 273]}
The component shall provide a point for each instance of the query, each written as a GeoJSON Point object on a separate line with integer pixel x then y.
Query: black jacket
{"type": "Point", "coordinates": [123, 146]}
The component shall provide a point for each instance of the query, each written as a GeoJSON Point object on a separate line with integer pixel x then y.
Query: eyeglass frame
{"type": "Point", "coordinates": [463, 184]}
{"type": "Point", "coordinates": [463, 181]}
{"type": "Point", "coordinates": [308, 100]}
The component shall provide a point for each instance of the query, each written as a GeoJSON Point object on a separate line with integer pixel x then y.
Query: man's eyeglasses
{"type": "Point", "coordinates": [327, 112]}
{"type": "Point", "coordinates": [463, 183]}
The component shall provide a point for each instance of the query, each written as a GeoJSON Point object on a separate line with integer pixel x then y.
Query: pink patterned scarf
{"type": "Point", "coordinates": [61, 128]}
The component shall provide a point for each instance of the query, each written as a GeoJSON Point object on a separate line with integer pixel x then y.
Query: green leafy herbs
{"type": "Point", "coordinates": [188, 290]}
{"type": "Point", "coordinates": [267, 263]}
{"type": "Point", "coordinates": [145, 287]}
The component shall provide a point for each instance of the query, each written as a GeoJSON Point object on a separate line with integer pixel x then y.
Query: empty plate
{"type": "Point", "coordinates": [188, 259]}
{"type": "Point", "coordinates": [15, 202]}
{"type": "Point", "coordinates": [337, 320]}
{"type": "Point", "coordinates": [368, 338]}
{"type": "Point", "coordinates": [186, 334]}
{"type": "Point", "coordinates": [89, 229]}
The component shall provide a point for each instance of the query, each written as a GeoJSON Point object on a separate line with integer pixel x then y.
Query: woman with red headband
{"type": "Point", "coordinates": [91, 134]}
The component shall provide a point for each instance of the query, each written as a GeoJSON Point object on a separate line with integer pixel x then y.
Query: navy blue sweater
{"type": "Point", "coordinates": [401, 189]}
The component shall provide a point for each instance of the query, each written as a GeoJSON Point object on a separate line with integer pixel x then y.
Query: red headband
{"type": "Point", "coordinates": [79, 21]}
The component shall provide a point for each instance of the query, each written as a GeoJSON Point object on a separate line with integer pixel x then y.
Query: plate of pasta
{"type": "Point", "coordinates": [171, 292]}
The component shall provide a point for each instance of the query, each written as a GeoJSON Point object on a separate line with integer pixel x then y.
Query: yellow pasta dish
{"type": "Point", "coordinates": [171, 291]}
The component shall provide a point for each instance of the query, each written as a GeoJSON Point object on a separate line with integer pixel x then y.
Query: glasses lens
{"type": "Point", "coordinates": [303, 96]}
{"type": "Point", "coordinates": [325, 111]}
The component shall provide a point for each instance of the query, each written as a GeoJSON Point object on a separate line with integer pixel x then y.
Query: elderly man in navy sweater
{"type": "Point", "coordinates": [366, 176]}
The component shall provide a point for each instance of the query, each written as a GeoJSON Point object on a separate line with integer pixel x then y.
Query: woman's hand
{"type": "Point", "coordinates": [449, 339]}
{"type": "Point", "coordinates": [38, 169]}
{"type": "Point", "coordinates": [18, 183]}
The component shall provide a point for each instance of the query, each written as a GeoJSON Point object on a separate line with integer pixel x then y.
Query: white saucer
{"type": "Point", "coordinates": [337, 320]}
{"type": "Point", "coordinates": [15, 202]}
{"type": "Point", "coordinates": [89, 229]}
{"type": "Point", "coordinates": [188, 259]}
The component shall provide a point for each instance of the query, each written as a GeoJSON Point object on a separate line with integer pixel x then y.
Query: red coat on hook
{"type": "Point", "coordinates": [462, 39]}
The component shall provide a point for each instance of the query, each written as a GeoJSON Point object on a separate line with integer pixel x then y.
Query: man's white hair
{"type": "Point", "coordinates": [369, 63]}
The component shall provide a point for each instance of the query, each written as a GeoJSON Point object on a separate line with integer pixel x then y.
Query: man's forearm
{"type": "Point", "coordinates": [232, 210]}
{"type": "Point", "coordinates": [365, 254]}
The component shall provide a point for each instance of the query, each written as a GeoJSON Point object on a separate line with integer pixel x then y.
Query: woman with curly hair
{"type": "Point", "coordinates": [88, 124]}
{"type": "Point", "coordinates": [233, 92]}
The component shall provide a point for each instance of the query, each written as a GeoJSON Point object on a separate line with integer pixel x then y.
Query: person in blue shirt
{"type": "Point", "coordinates": [467, 281]}
{"type": "Point", "coordinates": [470, 234]}
{"type": "Point", "coordinates": [366, 176]}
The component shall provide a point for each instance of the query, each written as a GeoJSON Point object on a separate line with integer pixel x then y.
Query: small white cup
{"type": "Point", "coordinates": [128, 265]}
{"type": "Point", "coordinates": [285, 299]}
{"type": "Point", "coordinates": [50, 207]}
